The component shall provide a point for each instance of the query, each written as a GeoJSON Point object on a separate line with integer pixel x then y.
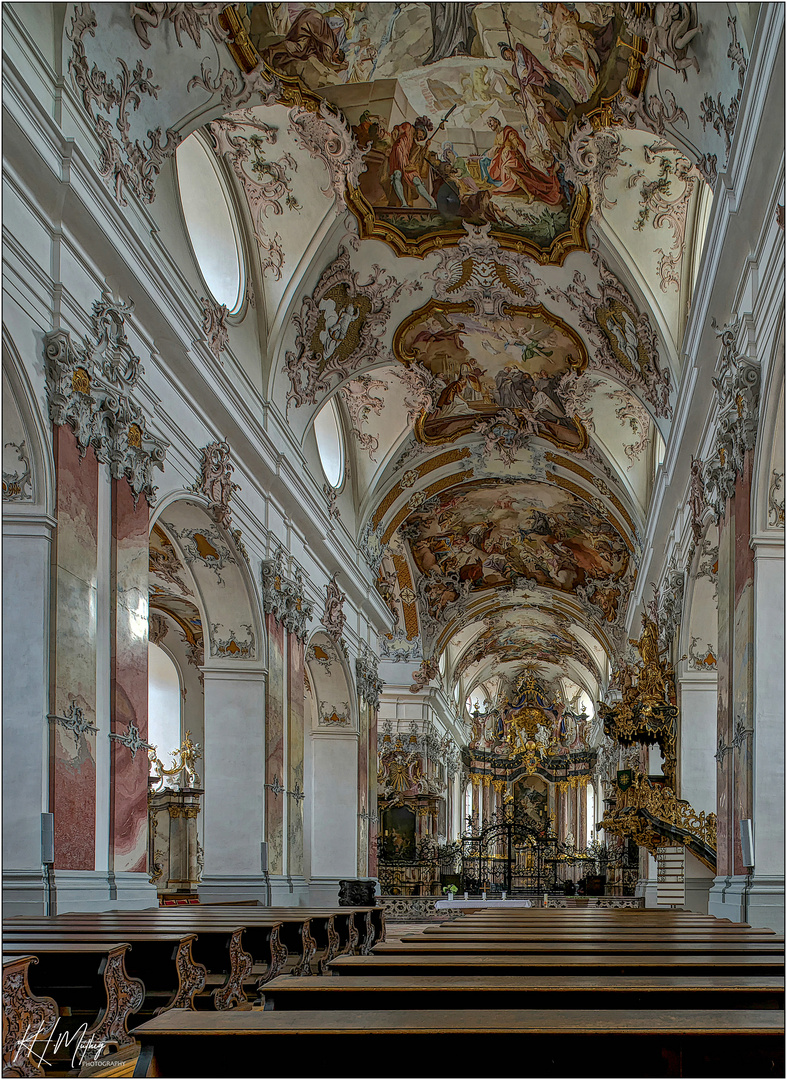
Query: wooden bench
{"type": "Point", "coordinates": [665, 963]}
{"type": "Point", "coordinates": [484, 991]}
{"type": "Point", "coordinates": [23, 1012]}
{"type": "Point", "coordinates": [658, 1043]}
{"type": "Point", "coordinates": [172, 960]}
{"type": "Point", "coordinates": [85, 979]}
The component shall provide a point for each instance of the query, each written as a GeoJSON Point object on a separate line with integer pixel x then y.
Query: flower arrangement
{"type": "Point", "coordinates": [452, 889]}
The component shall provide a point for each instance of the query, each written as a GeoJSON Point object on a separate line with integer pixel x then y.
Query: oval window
{"type": "Point", "coordinates": [330, 445]}
{"type": "Point", "coordinates": [210, 222]}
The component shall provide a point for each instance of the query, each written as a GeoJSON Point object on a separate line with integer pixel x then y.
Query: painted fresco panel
{"type": "Point", "coordinates": [492, 534]}
{"type": "Point", "coordinates": [505, 370]}
{"type": "Point", "coordinates": [462, 112]}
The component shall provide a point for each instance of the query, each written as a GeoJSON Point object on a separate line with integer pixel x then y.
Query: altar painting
{"type": "Point", "coordinates": [494, 370]}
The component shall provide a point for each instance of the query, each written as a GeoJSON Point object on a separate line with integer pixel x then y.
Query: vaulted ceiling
{"type": "Point", "coordinates": [477, 228]}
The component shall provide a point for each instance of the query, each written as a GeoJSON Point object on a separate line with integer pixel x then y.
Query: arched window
{"type": "Point", "coordinates": [210, 222]}
{"type": "Point", "coordinates": [164, 703]}
{"type": "Point", "coordinates": [330, 444]}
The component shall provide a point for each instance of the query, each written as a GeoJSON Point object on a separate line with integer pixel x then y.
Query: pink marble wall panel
{"type": "Point", "coordinates": [363, 785]}
{"type": "Point", "coordinates": [129, 679]}
{"type": "Point", "coordinates": [72, 765]}
{"type": "Point", "coordinates": [723, 691]}
{"type": "Point", "coordinates": [371, 796]}
{"type": "Point", "coordinates": [274, 747]}
{"type": "Point", "coordinates": [735, 685]}
{"type": "Point", "coordinates": [295, 712]}
{"type": "Point", "coordinates": [742, 657]}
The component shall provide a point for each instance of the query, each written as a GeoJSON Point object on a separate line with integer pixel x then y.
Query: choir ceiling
{"type": "Point", "coordinates": [486, 254]}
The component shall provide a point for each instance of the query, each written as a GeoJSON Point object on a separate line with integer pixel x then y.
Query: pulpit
{"type": "Point", "coordinates": [175, 853]}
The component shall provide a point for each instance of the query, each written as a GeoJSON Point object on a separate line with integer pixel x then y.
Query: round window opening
{"type": "Point", "coordinates": [210, 222]}
{"type": "Point", "coordinates": [330, 445]}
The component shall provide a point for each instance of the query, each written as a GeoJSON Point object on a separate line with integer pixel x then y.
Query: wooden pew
{"type": "Point", "coordinates": [165, 962]}
{"type": "Point", "coordinates": [23, 1012]}
{"type": "Point", "coordinates": [664, 963]}
{"type": "Point", "coordinates": [219, 946]}
{"type": "Point", "coordinates": [485, 991]}
{"type": "Point", "coordinates": [660, 1043]}
{"type": "Point", "coordinates": [88, 979]}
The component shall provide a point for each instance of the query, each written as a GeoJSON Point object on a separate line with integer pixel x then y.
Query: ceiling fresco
{"type": "Point", "coordinates": [494, 371]}
{"type": "Point", "coordinates": [462, 111]}
{"type": "Point", "coordinates": [477, 226]}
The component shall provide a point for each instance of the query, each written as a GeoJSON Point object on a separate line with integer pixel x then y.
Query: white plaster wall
{"type": "Point", "coordinates": [697, 765]}
{"type": "Point", "coordinates": [334, 782]}
{"type": "Point", "coordinates": [234, 771]}
{"type": "Point", "coordinates": [768, 739]}
{"type": "Point", "coordinates": [26, 568]}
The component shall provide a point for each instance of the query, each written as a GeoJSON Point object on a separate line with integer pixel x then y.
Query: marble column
{"type": "Point", "coordinates": [295, 781]}
{"type": "Point", "coordinates": [274, 747]}
{"type": "Point", "coordinates": [129, 767]}
{"type": "Point", "coordinates": [72, 748]}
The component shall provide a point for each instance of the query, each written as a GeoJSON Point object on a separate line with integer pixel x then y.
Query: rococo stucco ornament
{"type": "Point", "coordinates": [339, 328]}
{"type": "Point", "coordinates": [479, 271]}
{"type": "Point", "coordinates": [283, 597]}
{"type": "Point", "coordinates": [333, 617]}
{"type": "Point", "coordinates": [99, 414]}
{"type": "Point", "coordinates": [126, 164]}
{"type": "Point", "coordinates": [119, 363]}
{"type": "Point", "coordinates": [214, 325]}
{"type": "Point", "coordinates": [367, 678]}
{"type": "Point", "coordinates": [190, 19]}
{"type": "Point", "coordinates": [215, 480]}
{"type": "Point", "coordinates": [738, 398]}
{"type": "Point", "coordinates": [670, 603]}
{"type": "Point", "coordinates": [327, 136]}
{"type": "Point", "coordinates": [625, 343]}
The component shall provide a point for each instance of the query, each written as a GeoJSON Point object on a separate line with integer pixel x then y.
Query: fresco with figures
{"type": "Point", "coordinates": [488, 535]}
{"type": "Point", "coordinates": [462, 111]}
{"type": "Point", "coordinates": [502, 370]}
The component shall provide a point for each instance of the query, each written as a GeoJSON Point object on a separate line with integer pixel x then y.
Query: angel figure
{"type": "Point", "coordinates": [337, 323]}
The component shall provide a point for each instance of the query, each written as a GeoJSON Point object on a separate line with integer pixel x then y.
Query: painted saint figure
{"type": "Point", "coordinates": [512, 171]}
{"type": "Point", "coordinates": [407, 159]}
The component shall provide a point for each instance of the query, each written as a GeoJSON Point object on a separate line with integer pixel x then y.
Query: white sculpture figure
{"type": "Point", "coordinates": [337, 323]}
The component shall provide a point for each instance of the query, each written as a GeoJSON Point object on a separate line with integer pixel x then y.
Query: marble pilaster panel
{"type": "Point", "coordinates": [363, 786]}
{"type": "Point", "coordinates": [295, 783]}
{"type": "Point", "coordinates": [274, 747]}
{"type": "Point", "coordinates": [743, 657]}
{"type": "Point", "coordinates": [72, 754]}
{"type": "Point", "coordinates": [371, 797]}
{"type": "Point", "coordinates": [128, 826]}
{"type": "Point", "coordinates": [724, 770]}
